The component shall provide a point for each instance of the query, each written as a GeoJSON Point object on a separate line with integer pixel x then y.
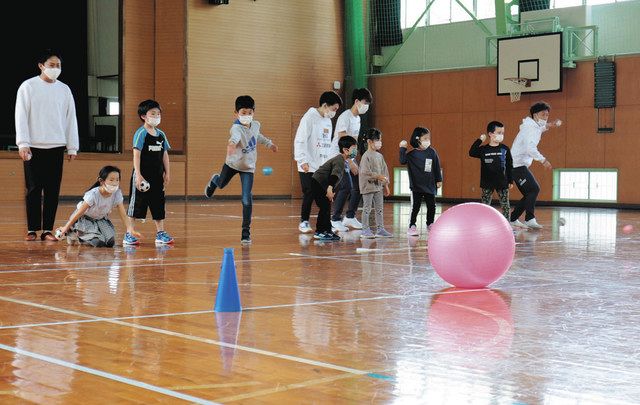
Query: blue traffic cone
{"type": "Point", "coordinates": [228, 295]}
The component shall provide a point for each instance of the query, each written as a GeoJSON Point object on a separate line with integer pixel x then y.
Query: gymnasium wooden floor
{"type": "Point", "coordinates": [321, 324]}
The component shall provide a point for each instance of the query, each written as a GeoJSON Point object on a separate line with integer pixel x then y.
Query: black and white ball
{"type": "Point", "coordinates": [144, 186]}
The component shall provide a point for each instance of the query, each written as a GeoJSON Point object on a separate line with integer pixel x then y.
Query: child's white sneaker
{"type": "Point", "coordinates": [533, 224]}
{"type": "Point", "coordinates": [352, 223]}
{"type": "Point", "coordinates": [338, 226]}
{"type": "Point", "coordinates": [413, 231]}
{"type": "Point", "coordinates": [304, 227]}
{"type": "Point", "coordinates": [518, 224]}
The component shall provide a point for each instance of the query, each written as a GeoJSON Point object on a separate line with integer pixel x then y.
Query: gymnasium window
{"type": "Point", "coordinates": [401, 183]}
{"type": "Point", "coordinates": [587, 185]}
{"type": "Point", "coordinates": [448, 11]}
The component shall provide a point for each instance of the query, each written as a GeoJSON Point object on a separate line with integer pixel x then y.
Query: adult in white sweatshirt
{"type": "Point", "coordinates": [524, 151]}
{"type": "Point", "coordinates": [46, 125]}
{"type": "Point", "coordinates": [312, 147]}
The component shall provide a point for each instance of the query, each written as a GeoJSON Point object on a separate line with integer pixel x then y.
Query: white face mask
{"type": "Point", "coordinates": [109, 188]}
{"type": "Point", "coordinates": [330, 114]}
{"type": "Point", "coordinates": [377, 144]}
{"type": "Point", "coordinates": [245, 119]}
{"type": "Point", "coordinates": [425, 144]}
{"type": "Point", "coordinates": [153, 121]}
{"type": "Point", "coordinates": [363, 108]}
{"type": "Point", "coordinates": [52, 73]}
{"type": "Point", "coordinates": [498, 138]}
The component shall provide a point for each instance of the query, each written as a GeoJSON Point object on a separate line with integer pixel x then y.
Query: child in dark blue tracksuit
{"type": "Point", "coordinates": [425, 176]}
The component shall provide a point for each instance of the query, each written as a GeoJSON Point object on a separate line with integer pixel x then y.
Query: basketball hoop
{"type": "Point", "coordinates": [520, 82]}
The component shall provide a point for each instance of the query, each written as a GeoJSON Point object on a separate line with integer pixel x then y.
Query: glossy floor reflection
{"type": "Point", "coordinates": [321, 323]}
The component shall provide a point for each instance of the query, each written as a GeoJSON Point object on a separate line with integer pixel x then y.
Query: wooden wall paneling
{"type": "Point", "coordinates": [170, 69]}
{"type": "Point", "coordinates": [579, 85]}
{"type": "Point", "coordinates": [138, 60]}
{"type": "Point", "coordinates": [587, 146]}
{"type": "Point", "coordinates": [447, 90]}
{"type": "Point", "coordinates": [285, 69]}
{"type": "Point", "coordinates": [391, 101]}
{"type": "Point", "coordinates": [12, 176]}
{"type": "Point", "coordinates": [621, 152]}
{"type": "Point", "coordinates": [627, 81]}
{"type": "Point", "coordinates": [479, 90]}
{"type": "Point", "coordinates": [446, 138]}
{"type": "Point", "coordinates": [416, 93]}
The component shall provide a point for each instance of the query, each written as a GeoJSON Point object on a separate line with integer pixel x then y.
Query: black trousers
{"type": "Point", "coordinates": [416, 201]}
{"type": "Point", "coordinates": [529, 188]}
{"type": "Point", "coordinates": [349, 187]}
{"type": "Point", "coordinates": [306, 180]}
{"type": "Point", "coordinates": [323, 223]}
{"type": "Point", "coordinates": [42, 175]}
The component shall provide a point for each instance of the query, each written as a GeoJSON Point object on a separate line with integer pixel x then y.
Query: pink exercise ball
{"type": "Point", "coordinates": [471, 245]}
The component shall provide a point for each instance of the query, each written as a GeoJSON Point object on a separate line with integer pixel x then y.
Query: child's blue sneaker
{"type": "Point", "coordinates": [163, 238]}
{"type": "Point", "coordinates": [367, 234]}
{"type": "Point", "coordinates": [130, 239]}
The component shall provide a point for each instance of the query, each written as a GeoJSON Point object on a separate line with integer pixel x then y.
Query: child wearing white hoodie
{"type": "Point", "coordinates": [524, 151]}
{"type": "Point", "coordinates": [312, 148]}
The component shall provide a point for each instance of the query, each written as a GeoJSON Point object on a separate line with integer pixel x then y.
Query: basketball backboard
{"type": "Point", "coordinates": [534, 57]}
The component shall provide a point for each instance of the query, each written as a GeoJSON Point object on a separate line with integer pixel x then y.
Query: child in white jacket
{"type": "Point", "coordinates": [312, 148]}
{"type": "Point", "coordinates": [524, 151]}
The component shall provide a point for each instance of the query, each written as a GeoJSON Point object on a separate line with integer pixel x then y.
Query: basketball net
{"type": "Point", "coordinates": [520, 83]}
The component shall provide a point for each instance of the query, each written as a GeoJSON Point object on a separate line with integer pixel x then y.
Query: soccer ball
{"type": "Point", "coordinates": [144, 186]}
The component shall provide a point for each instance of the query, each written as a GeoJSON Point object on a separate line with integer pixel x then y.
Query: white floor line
{"type": "Point", "coordinates": [104, 374]}
{"type": "Point", "coordinates": [122, 263]}
{"type": "Point", "coordinates": [195, 338]}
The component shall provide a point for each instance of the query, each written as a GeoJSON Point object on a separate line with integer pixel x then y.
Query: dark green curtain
{"type": "Point", "coordinates": [385, 18]}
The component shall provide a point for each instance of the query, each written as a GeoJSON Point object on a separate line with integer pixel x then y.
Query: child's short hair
{"type": "Point", "coordinates": [147, 105]}
{"type": "Point", "coordinates": [491, 127]}
{"type": "Point", "coordinates": [373, 134]}
{"type": "Point", "coordinates": [46, 54]}
{"type": "Point", "coordinates": [245, 102]}
{"type": "Point", "coordinates": [418, 132]}
{"type": "Point", "coordinates": [330, 98]}
{"type": "Point", "coordinates": [104, 173]}
{"type": "Point", "coordinates": [539, 106]}
{"type": "Point", "coordinates": [346, 142]}
{"type": "Point", "coordinates": [361, 94]}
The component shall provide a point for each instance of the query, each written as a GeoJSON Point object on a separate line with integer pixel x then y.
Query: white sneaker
{"type": "Point", "coordinates": [337, 226]}
{"type": "Point", "coordinates": [533, 224]}
{"type": "Point", "coordinates": [352, 223]}
{"type": "Point", "coordinates": [304, 227]}
{"type": "Point", "coordinates": [518, 224]}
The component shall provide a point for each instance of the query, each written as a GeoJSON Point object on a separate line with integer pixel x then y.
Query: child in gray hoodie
{"type": "Point", "coordinates": [241, 158]}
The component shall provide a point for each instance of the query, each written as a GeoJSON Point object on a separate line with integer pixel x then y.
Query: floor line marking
{"type": "Point", "coordinates": [195, 338]}
{"type": "Point", "coordinates": [109, 376]}
{"type": "Point", "coordinates": [203, 312]}
{"type": "Point", "coordinates": [286, 387]}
